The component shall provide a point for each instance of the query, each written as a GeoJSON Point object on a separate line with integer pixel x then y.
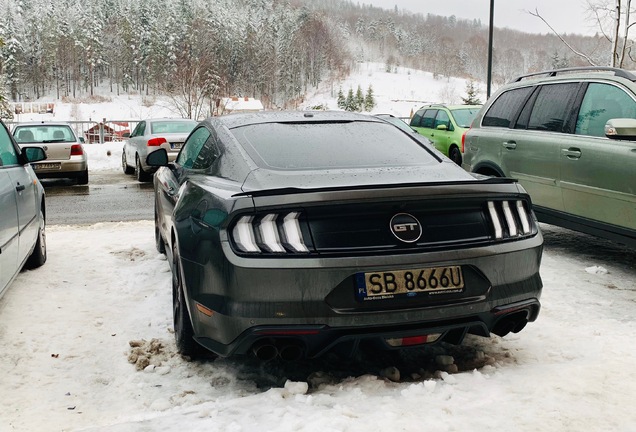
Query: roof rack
{"type": "Point", "coordinates": [622, 73]}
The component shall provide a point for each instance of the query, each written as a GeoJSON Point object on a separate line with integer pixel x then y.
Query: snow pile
{"type": "Point", "coordinates": [599, 270]}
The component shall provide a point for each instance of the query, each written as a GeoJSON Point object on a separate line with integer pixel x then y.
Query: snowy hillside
{"type": "Point", "coordinates": [396, 92]}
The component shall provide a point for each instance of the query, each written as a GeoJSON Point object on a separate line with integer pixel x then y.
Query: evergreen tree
{"type": "Point", "coordinates": [11, 53]}
{"type": "Point", "coordinates": [369, 99]}
{"type": "Point", "coordinates": [5, 108]}
{"type": "Point", "coordinates": [350, 101]}
{"type": "Point", "coordinates": [359, 100]}
{"type": "Point", "coordinates": [472, 97]}
{"type": "Point", "coordinates": [342, 103]}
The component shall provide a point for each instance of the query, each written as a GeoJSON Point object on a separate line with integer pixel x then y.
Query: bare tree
{"type": "Point", "coordinates": [612, 17]}
{"type": "Point", "coordinates": [575, 51]}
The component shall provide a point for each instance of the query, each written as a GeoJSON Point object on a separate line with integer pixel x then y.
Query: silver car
{"type": "Point", "coordinates": [22, 211]}
{"type": "Point", "coordinates": [150, 135]}
{"type": "Point", "coordinates": [65, 155]}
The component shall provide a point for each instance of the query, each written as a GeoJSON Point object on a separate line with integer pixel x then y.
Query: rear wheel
{"type": "Point", "coordinates": [38, 256]}
{"type": "Point", "coordinates": [183, 331]}
{"type": "Point", "coordinates": [124, 164]}
{"type": "Point", "coordinates": [141, 175]}
{"type": "Point", "coordinates": [455, 155]}
{"type": "Point", "coordinates": [82, 178]}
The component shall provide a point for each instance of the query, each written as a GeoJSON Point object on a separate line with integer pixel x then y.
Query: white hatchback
{"type": "Point", "coordinates": [65, 155]}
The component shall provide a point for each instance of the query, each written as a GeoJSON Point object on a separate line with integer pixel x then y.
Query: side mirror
{"type": "Point", "coordinates": [126, 135]}
{"type": "Point", "coordinates": [157, 158]}
{"type": "Point", "coordinates": [442, 127]}
{"type": "Point", "coordinates": [33, 154]}
{"type": "Point", "coordinates": [621, 129]}
{"type": "Point", "coordinates": [82, 140]}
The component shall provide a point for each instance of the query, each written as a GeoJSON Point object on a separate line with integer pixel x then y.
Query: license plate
{"type": "Point", "coordinates": [46, 166]}
{"type": "Point", "coordinates": [176, 146]}
{"type": "Point", "coordinates": [388, 284]}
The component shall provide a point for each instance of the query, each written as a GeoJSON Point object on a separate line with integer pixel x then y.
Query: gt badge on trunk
{"type": "Point", "coordinates": [406, 227]}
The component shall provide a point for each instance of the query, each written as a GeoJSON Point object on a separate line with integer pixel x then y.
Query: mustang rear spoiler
{"type": "Point", "coordinates": [292, 190]}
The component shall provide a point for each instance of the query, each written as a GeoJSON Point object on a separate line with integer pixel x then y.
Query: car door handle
{"type": "Point", "coordinates": [511, 145]}
{"type": "Point", "coordinates": [20, 187]}
{"type": "Point", "coordinates": [571, 153]}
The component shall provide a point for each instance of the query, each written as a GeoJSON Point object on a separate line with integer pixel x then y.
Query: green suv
{"type": "Point", "coordinates": [445, 125]}
{"type": "Point", "coordinates": [569, 137]}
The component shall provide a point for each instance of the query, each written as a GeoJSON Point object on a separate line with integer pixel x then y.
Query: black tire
{"type": "Point", "coordinates": [455, 155]}
{"type": "Point", "coordinates": [38, 256]}
{"type": "Point", "coordinates": [141, 175]}
{"type": "Point", "coordinates": [183, 331]}
{"type": "Point", "coordinates": [159, 243]}
{"type": "Point", "coordinates": [82, 178]}
{"type": "Point", "coordinates": [127, 169]}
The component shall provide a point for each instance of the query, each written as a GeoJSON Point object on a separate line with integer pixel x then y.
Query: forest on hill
{"type": "Point", "coordinates": [198, 51]}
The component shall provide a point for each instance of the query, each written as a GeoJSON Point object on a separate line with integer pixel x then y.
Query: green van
{"type": "Point", "coordinates": [445, 125]}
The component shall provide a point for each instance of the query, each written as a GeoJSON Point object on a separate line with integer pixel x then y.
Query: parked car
{"type": "Point", "coordinates": [150, 135]}
{"type": "Point", "coordinates": [569, 136]}
{"type": "Point", "coordinates": [445, 125]}
{"type": "Point", "coordinates": [22, 209]}
{"type": "Point", "coordinates": [293, 234]}
{"type": "Point", "coordinates": [65, 155]}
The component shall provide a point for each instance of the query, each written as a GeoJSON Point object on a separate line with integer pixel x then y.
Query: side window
{"type": "Point", "coordinates": [8, 154]}
{"type": "Point", "coordinates": [502, 112]}
{"type": "Point", "coordinates": [428, 118]}
{"type": "Point", "coordinates": [442, 119]}
{"type": "Point", "coordinates": [139, 130]}
{"type": "Point", "coordinates": [550, 109]}
{"type": "Point", "coordinates": [417, 118]}
{"type": "Point", "coordinates": [193, 155]}
{"type": "Point", "coordinates": [601, 103]}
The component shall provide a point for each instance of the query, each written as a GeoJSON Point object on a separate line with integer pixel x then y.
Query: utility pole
{"type": "Point", "coordinates": [490, 31]}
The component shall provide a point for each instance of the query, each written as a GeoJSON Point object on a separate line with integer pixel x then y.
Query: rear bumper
{"type": "Point", "coordinates": [67, 168]}
{"type": "Point", "coordinates": [312, 303]}
{"type": "Point", "coordinates": [315, 340]}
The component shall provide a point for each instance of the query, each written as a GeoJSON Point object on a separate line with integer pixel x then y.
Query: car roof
{"type": "Point", "coordinates": [151, 120]}
{"type": "Point", "coordinates": [243, 119]}
{"type": "Point", "coordinates": [578, 72]}
{"type": "Point", "coordinates": [450, 107]}
{"type": "Point", "coordinates": [43, 123]}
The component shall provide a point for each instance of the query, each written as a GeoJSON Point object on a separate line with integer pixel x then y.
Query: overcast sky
{"type": "Point", "coordinates": [565, 16]}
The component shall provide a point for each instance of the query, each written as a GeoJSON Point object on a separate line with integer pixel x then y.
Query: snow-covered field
{"type": "Point", "coordinates": [66, 332]}
{"type": "Point", "coordinates": [86, 343]}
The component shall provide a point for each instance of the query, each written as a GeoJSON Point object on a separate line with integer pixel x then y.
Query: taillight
{"type": "Point", "coordinates": [464, 141]}
{"type": "Point", "coordinates": [77, 150]}
{"type": "Point", "coordinates": [153, 142]}
{"type": "Point", "coordinates": [509, 219]}
{"type": "Point", "coordinates": [272, 233]}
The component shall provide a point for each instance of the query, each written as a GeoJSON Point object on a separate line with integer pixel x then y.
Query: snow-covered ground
{"type": "Point", "coordinates": [86, 344]}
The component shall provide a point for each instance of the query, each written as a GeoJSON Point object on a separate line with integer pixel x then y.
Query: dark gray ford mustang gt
{"type": "Point", "coordinates": [293, 234]}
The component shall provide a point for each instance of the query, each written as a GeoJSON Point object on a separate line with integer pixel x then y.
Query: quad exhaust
{"type": "Point", "coordinates": [511, 323]}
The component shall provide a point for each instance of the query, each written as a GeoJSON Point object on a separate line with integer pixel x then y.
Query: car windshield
{"type": "Point", "coordinates": [43, 134]}
{"type": "Point", "coordinates": [160, 127]}
{"type": "Point", "coordinates": [464, 116]}
{"type": "Point", "coordinates": [356, 144]}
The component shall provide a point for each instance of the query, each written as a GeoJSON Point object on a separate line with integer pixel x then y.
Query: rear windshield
{"type": "Point", "coordinates": [464, 116]}
{"type": "Point", "coordinates": [172, 127]}
{"type": "Point", "coordinates": [359, 144]}
{"type": "Point", "coordinates": [43, 134]}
